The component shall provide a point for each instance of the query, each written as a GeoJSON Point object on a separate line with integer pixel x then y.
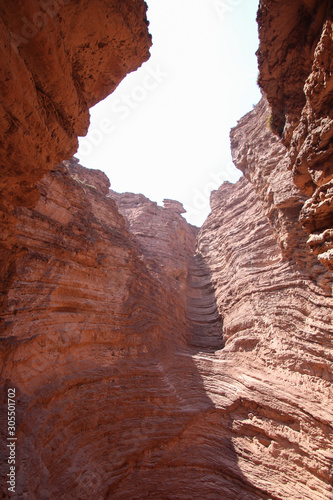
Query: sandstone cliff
{"type": "Point", "coordinates": [295, 62]}
{"type": "Point", "coordinates": [91, 330]}
{"type": "Point", "coordinates": [145, 368]}
{"type": "Point", "coordinates": [277, 355]}
{"type": "Point", "coordinates": [152, 359]}
{"type": "Point", "coordinates": [58, 58]}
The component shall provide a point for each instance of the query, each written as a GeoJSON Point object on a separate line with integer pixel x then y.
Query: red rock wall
{"type": "Point", "coordinates": [264, 161]}
{"type": "Point", "coordinates": [295, 63]}
{"type": "Point", "coordinates": [277, 359]}
{"type": "Point", "coordinates": [98, 343]}
{"type": "Point", "coordinates": [144, 368]}
{"type": "Point", "coordinates": [87, 337]}
{"type": "Point", "coordinates": [150, 359]}
{"type": "Point", "coordinates": [59, 58]}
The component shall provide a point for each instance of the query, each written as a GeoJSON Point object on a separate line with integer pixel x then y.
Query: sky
{"type": "Point", "coordinates": [164, 132]}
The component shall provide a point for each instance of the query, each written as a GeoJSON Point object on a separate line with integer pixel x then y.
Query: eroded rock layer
{"type": "Point", "coordinates": [87, 336]}
{"type": "Point", "coordinates": [278, 351]}
{"type": "Point", "coordinates": [145, 368]}
{"type": "Point", "coordinates": [295, 62]}
{"type": "Point", "coordinates": [59, 58]}
{"type": "Point", "coordinates": [264, 161]}
{"type": "Point", "coordinates": [150, 359]}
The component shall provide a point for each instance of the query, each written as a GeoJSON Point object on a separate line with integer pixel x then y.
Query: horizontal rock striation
{"type": "Point", "coordinates": [295, 63]}
{"type": "Point", "coordinates": [58, 58]}
{"type": "Point", "coordinates": [264, 160]}
{"type": "Point", "coordinates": [152, 359]}
{"type": "Point", "coordinates": [87, 336]}
{"type": "Point", "coordinates": [277, 359]}
{"type": "Point", "coordinates": [205, 323]}
{"type": "Point", "coordinates": [146, 368]}
{"type": "Point", "coordinates": [163, 235]}
{"type": "Point", "coordinates": [168, 243]}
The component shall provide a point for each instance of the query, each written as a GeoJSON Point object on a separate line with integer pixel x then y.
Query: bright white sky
{"type": "Point", "coordinates": [164, 132]}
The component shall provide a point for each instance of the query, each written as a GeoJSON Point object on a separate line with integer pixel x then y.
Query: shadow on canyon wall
{"type": "Point", "coordinates": [110, 401]}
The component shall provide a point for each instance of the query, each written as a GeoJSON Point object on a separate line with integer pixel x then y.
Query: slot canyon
{"type": "Point", "coordinates": [152, 359]}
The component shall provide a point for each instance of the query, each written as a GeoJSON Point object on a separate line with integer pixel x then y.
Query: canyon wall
{"type": "Point", "coordinates": [59, 58]}
{"type": "Point", "coordinates": [277, 328]}
{"type": "Point", "coordinates": [295, 63]}
{"type": "Point", "coordinates": [152, 359]}
{"type": "Point", "coordinates": [92, 327]}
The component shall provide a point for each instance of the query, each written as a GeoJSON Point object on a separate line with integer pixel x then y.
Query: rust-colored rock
{"type": "Point", "coordinates": [264, 161]}
{"type": "Point", "coordinates": [59, 58]}
{"type": "Point", "coordinates": [144, 368]}
{"type": "Point", "coordinates": [277, 325]}
{"type": "Point", "coordinates": [96, 341]}
{"type": "Point", "coordinates": [152, 359]}
{"type": "Point", "coordinates": [295, 62]}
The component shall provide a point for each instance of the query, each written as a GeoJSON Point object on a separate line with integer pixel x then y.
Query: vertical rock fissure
{"type": "Point", "coordinates": [205, 327]}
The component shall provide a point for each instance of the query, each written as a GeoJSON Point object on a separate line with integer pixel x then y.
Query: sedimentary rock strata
{"type": "Point", "coordinates": [277, 326]}
{"type": "Point", "coordinates": [152, 359]}
{"type": "Point", "coordinates": [264, 161]}
{"type": "Point", "coordinates": [95, 340]}
{"type": "Point", "coordinates": [146, 368]}
{"type": "Point", "coordinates": [58, 58]}
{"type": "Point", "coordinates": [295, 62]}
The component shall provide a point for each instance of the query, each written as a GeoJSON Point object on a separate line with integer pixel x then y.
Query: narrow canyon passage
{"type": "Point", "coordinates": [150, 358]}
{"type": "Point", "coordinates": [205, 324]}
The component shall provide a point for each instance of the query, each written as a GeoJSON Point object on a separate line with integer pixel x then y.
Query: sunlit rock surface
{"type": "Point", "coordinates": [148, 368]}
{"type": "Point", "coordinates": [264, 161]}
{"type": "Point", "coordinates": [295, 62]}
{"type": "Point", "coordinates": [152, 359]}
{"type": "Point", "coordinates": [59, 58]}
{"type": "Point", "coordinates": [277, 327]}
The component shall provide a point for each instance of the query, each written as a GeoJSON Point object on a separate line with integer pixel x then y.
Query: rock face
{"type": "Point", "coordinates": [264, 161]}
{"type": "Point", "coordinates": [146, 368]}
{"type": "Point", "coordinates": [295, 62]}
{"type": "Point", "coordinates": [59, 58]}
{"type": "Point", "coordinates": [277, 325]}
{"type": "Point", "coordinates": [152, 359]}
{"type": "Point", "coordinates": [95, 340]}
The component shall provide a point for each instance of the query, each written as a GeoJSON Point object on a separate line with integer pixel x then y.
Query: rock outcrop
{"type": "Point", "coordinates": [277, 326]}
{"type": "Point", "coordinates": [264, 161]}
{"type": "Point", "coordinates": [152, 359]}
{"type": "Point", "coordinates": [146, 368]}
{"type": "Point", "coordinates": [59, 58]}
{"type": "Point", "coordinates": [295, 63]}
{"type": "Point", "coordinates": [96, 342]}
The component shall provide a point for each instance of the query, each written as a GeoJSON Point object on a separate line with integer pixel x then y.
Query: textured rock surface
{"type": "Point", "coordinates": [168, 243]}
{"type": "Point", "coordinates": [264, 161]}
{"type": "Point", "coordinates": [278, 351]}
{"type": "Point", "coordinates": [58, 58]}
{"type": "Point", "coordinates": [146, 369]}
{"type": "Point", "coordinates": [87, 336]}
{"type": "Point", "coordinates": [295, 62]}
{"type": "Point", "coordinates": [150, 359]}
{"type": "Point", "coordinates": [97, 341]}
